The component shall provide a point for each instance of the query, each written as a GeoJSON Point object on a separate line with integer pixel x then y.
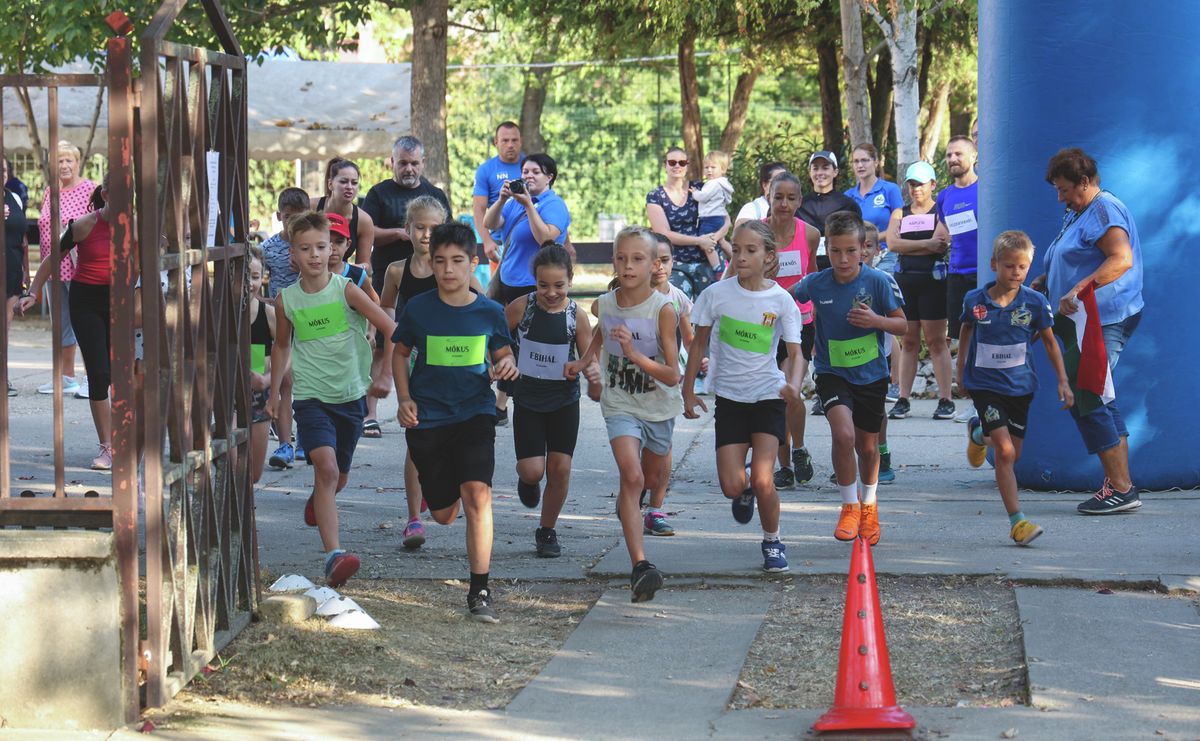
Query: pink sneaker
{"type": "Point", "coordinates": [414, 534]}
{"type": "Point", "coordinates": [103, 462]}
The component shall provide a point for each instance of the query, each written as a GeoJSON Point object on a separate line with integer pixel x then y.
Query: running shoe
{"type": "Point", "coordinates": [818, 409]}
{"type": "Point", "coordinates": [81, 389]}
{"type": "Point", "coordinates": [802, 465]}
{"type": "Point", "coordinates": [655, 523]}
{"type": "Point", "coordinates": [847, 524]}
{"type": "Point", "coordinates": [546, 543]}
{"type": "Point", "coordinates": [785, 479]}
{"type": "Point", "coordinates": [340, 568]}
{"type": "Point", "coordinates": [966, 414]}
{"type": "Point", "coordinates": [893, 392]}
{"type": "Point", "coordinates": [300, 456]}
{"type": "Point", "coordinates": [414, 534]}
{"type": "Point", "coordinates": [530, 494]}
{"type": "Point", "coordinates": [69, 386]}
{"type": "Point", "coordinates": [103, 462]}
{"type": "Point", "coordinates": [11, 391]}
{"type": "Point", "coordinates": [976, 453]}
{"type": "Point", "coordinates": [945, 409]}
{"type": "Point", "coordinates": [700, 387]}
{"type": "Point", "coordinates": [310, 514]}
{"type": "Point", "coordinates": [886, 475]}
{"type": "Point", "coordinates": [1109, 501]}
{"type": "Point", "coordinates": [900, 409]}
{"type": "Point", "coordinates": [774, 557]}
{"type": "Point", "coordinates": [868, 526]}
{"type": "Point", "coordinates": [1024, 532]}
{"type": "Point", "coordinates": [502, 417]}
{"type": "Point", "coordinates": [479, 605]}
{"type": "Point", "coordinates": [644, 582]}
{"type": "Point", "coordinates": [283, 457]}
{"type": "Point", "coordinates": [743, 506]}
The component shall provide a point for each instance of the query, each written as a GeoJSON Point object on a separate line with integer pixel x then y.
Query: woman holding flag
{"type": "Point", "coordinates": [1094, 281]}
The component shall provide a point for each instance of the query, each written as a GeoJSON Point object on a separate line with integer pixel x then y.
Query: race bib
{"type": "Point", "coordinates": [455, 352]}
{"type": "Point", "coordinates": [961, 222]}
{"type": "Point", "coordinates": [789, 264]}
{"type": "Point", "coordinates": [746, 336]}
{"type": "Point", "coordinates": [258, 359]}
{"type": "Point", "coordinates": [918, 223]}
{"type": "Point", "coordinates": [324, 320]}
{"type": "Point", "coordinates": [540, 360]}
{"type": "Point", "coordinates": [853, 353]}
{"type": "Point", "coordinates": [644, 331]}
{"type": "Point", "coordinates": [1000, 356]}
{"type": "Point", "coordinates": [821, 246]}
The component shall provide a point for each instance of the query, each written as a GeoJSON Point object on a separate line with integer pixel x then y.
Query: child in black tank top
{"type": "Point", "coordinates": [262, 334]}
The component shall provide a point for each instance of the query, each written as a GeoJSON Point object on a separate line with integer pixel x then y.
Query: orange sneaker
{"type": "Point", "coordinates": [847, 526]}
{"type": "Point", "coordinates": [869, 527]}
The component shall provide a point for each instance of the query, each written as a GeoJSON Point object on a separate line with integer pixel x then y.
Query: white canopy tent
{"type": "Point", "coordinates": [298, 110]}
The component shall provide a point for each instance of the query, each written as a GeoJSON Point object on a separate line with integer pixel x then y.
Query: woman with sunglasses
{"type": "Point", "coordinates": [674, 213]}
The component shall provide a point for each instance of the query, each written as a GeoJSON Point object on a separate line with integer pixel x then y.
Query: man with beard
{"type": "Point", "coordinates": [491, 177]}
{"type": "Point", "coordinates": [957, 207]}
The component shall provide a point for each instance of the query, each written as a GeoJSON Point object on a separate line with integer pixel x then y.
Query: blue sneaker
{"type": "Point", "coordinates": [655, 523]}
{"type": "Point", "coordinates": [887, 476]}
{"type": "Point", "coordinates": [743, 506]}
{"type": "Point", "coordinates": [774, 557]}
{"type": "Point", "coordinates": [300, 456]}
{"type": "Point", "coordinates": [283, 457]}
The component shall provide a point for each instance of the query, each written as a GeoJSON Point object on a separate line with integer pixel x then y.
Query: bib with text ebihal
{"type": "Point", "coordinates": [323, 320]}
{"type": "Point", "coordinates": [853, 353]}
{"type": "Point", "coordinates": [746, 336]}
{"type": "Point", "coordinates": [644, 331]}
{"type": "Point", "coordinates": [541, 360]}
{"type": "Point", "coordinates": [455, 352]}
{"type": "Point", "coordinates": [1000, 356]}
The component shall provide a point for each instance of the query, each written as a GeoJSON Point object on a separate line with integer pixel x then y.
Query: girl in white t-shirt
{"type": "Point", "coordinates": [749, 315]}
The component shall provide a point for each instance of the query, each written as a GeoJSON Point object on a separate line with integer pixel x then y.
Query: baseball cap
{"type": "Point", "coordinates": [823, 156]}
{"type": "Point", "coordinates": [921, 172]}
{"type": "Point", "coordinates": [338, 225]}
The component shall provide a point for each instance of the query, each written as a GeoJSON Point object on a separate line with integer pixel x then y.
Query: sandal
{"type": "Point", "coordinates": [371, 429]}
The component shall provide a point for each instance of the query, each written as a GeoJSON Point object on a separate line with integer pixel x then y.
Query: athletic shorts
{"type": "Point", "coordinates": [654, 436]}
{"type": "Point", "coordinates": [999, 410]}
{"type": "Point", "coordinates": [924, 296]}
{"type": "Point", "coordinates": [258, 407]}
{"type": "Point", "coordinates": [449, 456]}
{"type": "Point", "coordinates": [866, 402]}
{"type": "Point", "coordinates": [337, 426]}
{"type": "Point", "coordinates": [958, 285]}
{"type": "Point", "coordinates": [737, 421]}
{"type": "Point", "coordinates": [536, 433]}
{"type": "Point", "coordinates": [808, 338]}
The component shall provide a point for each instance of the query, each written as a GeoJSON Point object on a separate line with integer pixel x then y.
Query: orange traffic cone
{"type": "Point", "coordinates": [865, 699]}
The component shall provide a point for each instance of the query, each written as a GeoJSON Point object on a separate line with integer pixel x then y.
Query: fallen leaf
{"type": "Point", "coordinates": [1010, 733]}
{"type": "Point", "coordinates": [1104, 590]}
{"type": "Point", "coordinates": [146, 727]}
{"type": "Point", "coordinates": [25, 478]}
{"type": "Point", "coordinates": [409, 682]}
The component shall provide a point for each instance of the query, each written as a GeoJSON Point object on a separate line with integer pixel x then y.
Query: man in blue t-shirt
{"type": "Point", "coordinates": [957, 213]}
{"type": "Point", "coordinates": [856, 306]}
{"type": "Point", "coordinates": [491, 177]}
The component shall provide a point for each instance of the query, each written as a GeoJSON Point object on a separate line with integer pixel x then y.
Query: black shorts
{"type": "Point", "coordinates": [957, 288]}
{"type": "Point", "coordinates": [998, 410]}
{"type": "Point", "coordinates": [866, 402]}
{"type": "Point", "coordinates": [736, 421]}
{"type": "Point", "coordinates": [808, 338]}
{"type": "Point", "coordinates": [449, 456]}
{"type": "Point", "coordinates": [506, 294]}
{"type": "Point", "coordinates": [258, 407]}
{"type": "Point", "coordinates": [924, 296]}
{"type": "Point", "coordinates": [337, 426]}
{"type": "Point", "coordinates": [536, 433]}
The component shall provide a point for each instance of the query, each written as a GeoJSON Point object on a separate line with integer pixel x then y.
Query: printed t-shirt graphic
{"type": "Point", "coordinates": [628, 389]}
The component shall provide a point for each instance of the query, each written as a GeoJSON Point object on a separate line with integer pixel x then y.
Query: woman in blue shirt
{"type": "Point", "coordinates": [876, 197]}
{"type": "Point", "coordinates": [1098, 243]}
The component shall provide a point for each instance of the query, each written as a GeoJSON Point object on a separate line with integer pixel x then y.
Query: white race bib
{"type": "Point", "coordinates": [961, 222]}
{"type": "Point", "coordinates": [1000, 356]}
{"type": "Point", "coordinates": [540, 360]}
{"type": "Point", "coordinates": [645, 335]}
{"type": "Point", "coordinates": [918, 223]}
{"type": "Point", "coordinates": [821, 247]}
{"type": "Point", "coordinates": [789, 264]}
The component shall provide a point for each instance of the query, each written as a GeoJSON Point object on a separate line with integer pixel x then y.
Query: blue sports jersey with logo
{"type": "Point", "coordinates": [998, 359]}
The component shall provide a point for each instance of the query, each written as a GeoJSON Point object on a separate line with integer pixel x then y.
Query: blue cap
{"type": "Point", "coordinates": [921, 172]}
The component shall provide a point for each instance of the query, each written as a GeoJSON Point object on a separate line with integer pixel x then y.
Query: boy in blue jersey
{"type": "Point", "coordinates": [856, 306]}
{"type": "Point", "coordinates": [999, 321]}
{"type": "Point", "coordinates": [446, 404]}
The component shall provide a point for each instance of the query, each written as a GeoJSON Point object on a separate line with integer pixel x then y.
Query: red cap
{"type": "Point", "coordinates": [338, 225]}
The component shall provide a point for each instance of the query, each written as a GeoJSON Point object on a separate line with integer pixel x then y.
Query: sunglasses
{"type": "Point", "coordinates": [677, 163]}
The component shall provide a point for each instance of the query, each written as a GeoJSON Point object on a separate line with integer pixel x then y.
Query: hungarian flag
{"type": "Point", "coordinates": [1084, 355]}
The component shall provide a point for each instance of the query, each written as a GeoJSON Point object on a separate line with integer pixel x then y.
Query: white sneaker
{"type": "Point", "coordinates": [964, 415]}
{"type": "Point", "coordinates": [81, 389]}
{"type": "Point", "coordinates": [70, 386]}
{"type": "Point", "coordinates": [103, 462]}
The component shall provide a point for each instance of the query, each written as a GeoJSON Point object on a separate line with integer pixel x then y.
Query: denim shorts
{"type": "Point", "coordinates": [654, 436]}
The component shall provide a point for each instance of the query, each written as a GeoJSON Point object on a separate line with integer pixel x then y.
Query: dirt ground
{"type": "Point", "coordinates": [952, 641]}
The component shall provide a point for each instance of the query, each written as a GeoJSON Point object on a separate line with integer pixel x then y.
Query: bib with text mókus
{"type": "Point", "coordinates": [1000, 356]}
{"type": "Point", "coordinates": [644, 331]}
{"type": "Point", "coordinates": [542, 360]}
{"type": "Point", "coordinates": [746, 336]}
{"type": "Point", "coordinates": [961, 222]}
{"type": "Point", "coordinates": [455, 352]}
{"type": "Point", "coordinates": [323, 320]}
{"type": "Point", "coordinates": [853, 353]}
{"type": "Point", "coordinates": [789, 263]}
{"type": "Point", "coordinates": [258, 359]}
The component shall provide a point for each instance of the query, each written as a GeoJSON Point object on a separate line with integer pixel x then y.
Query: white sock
{"type": "Point", "coordinates": [869, 493]}
{"type": "Point", "coordinates": [771, 537]}
{"type": "Point", "coordinates": [849, 493]}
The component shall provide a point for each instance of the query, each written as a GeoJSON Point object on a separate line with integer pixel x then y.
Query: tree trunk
{"type": "Point", "coordinates": [881, 100]}
{"type": "Point", "coordinates": [87, 150]}
{"type": "Point", "coordinates": [35, 138]}
{"type": "Point", "coordinates": [901, 36]}
{"type": "Point", "coordinates": [428, 97]}
{"type": "Point", "coordinates": [926, 41]}
{"type": "Point", "coordinates": [939, 103]}
{"type": "Point", "coordinates": [828, 76]}
{"type": "Point", "coordinates": [739, 107]}
{"type": "Point", "coordinates": [854, 70]}
{"type": "Point", "coordinates": [689, 99]}
{"type": "Point", "coordinates": [532, 105]}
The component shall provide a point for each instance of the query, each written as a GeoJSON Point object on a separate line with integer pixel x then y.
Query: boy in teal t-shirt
{"type": "Point", "coordinates": [331, 367]}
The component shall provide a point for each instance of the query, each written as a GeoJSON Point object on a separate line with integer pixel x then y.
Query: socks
{"type": "Point", "coordinates": [478, 583]}
{"type": "Point", "coordinates": [869, 493]}
{"type": "Point", "coordinates": [883, 449]}
{"type": "Point", "coordinates": [332, 555]}
{"type": "Point", "coordinates": [1016, 517]}
{"type": "Point", "coordinates": [849, 493]}
{"type": "Point", "coordinates": [770, 537]}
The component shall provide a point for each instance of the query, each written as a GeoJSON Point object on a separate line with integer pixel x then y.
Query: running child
{"type": "Point", "coordinates": [262, 334]}
{"type": "Point", "coordinates": [551, 331]}
{"type": "Point", "coordinates": [331, 368]}
{"type": "Point", "coordinates": [339, 242]}
{"type": "Point", "coordinates": [446, 405]}
{"type": "Point", "coordinates": [870, 252]}
{"type": "Point", "coordinates": [856, 307]}
{"type": "Point", "coordinates": [714, 198]}
{"type": "Point", "coordinates": [639, 362]}
{"type": "Point", "coordinates": [752, 315]}
{"type": "Point", "coordinates": [999, 323]}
